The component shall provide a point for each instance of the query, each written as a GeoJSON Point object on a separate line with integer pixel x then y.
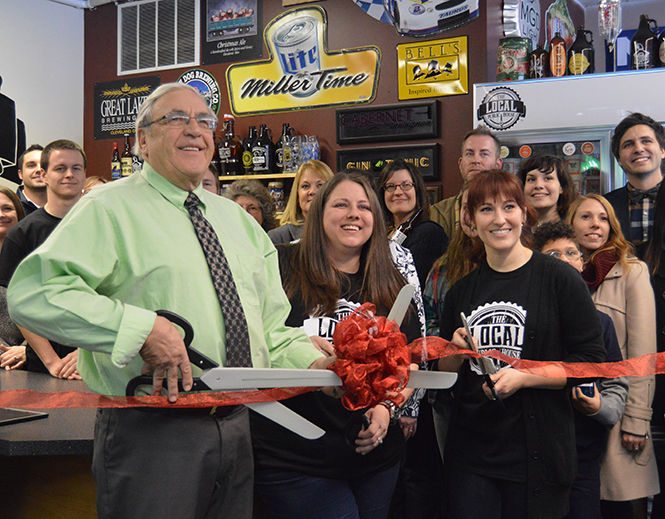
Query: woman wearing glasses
{"type": "Point", "coordinates": [621, 288]}
{"type": "Point", "coordinates": [405, 207]}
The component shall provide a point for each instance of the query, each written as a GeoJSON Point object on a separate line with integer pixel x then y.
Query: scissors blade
{"type": "Point", "coordinates": [219, 379]}
{"type": "Point", "coordinates": [285, 417]}
{"type": "Point", "coordinates": [401, 304]}
{"type": "Point", "coordinates": [432, 379]}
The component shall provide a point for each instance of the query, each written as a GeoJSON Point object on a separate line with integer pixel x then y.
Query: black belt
{"type": "Point", "coordinates": [221, 411]}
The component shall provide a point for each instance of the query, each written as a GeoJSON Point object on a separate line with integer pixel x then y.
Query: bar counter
{"type": "Point", "coordinates": [45, 463]}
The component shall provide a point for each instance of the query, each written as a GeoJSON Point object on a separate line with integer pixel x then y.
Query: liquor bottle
{"type": "Point", "coordinates": [230, 151]}
{"type": "Point", "coordinates": [557, 56]}
{"type": "Point", "coordinates": [263, 151]}
{"type": "Point", "coordinates": [661, 49]}
{"type": "Point", "coordinates": [283, 148]}
{"type": "Point", "coordinates": [115, 163]}
{"type": "Point", "coordinates": [247, 163]}
{"type": "Point", "coordinates": [580, 54]}
{"type": "Point", "coordinates": [643, 45]}
{"type": "Point", "coordinates": [126, 161]}
{"type": "Point", "coordinates": [539, 63]}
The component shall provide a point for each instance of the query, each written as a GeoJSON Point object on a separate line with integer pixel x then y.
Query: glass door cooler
{"type": "Point", "coordinates": [571, 117]}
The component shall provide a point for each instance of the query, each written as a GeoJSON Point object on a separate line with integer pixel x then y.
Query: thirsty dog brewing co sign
{"type": "Point", "coordinates": [301, 73]}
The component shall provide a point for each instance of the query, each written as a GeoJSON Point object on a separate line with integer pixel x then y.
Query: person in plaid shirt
{"type": "Point", "coordinates": [638, 144]}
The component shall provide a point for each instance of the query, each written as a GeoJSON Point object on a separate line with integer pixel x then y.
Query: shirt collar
{"type": "Point", "coordinates": [170, 191]}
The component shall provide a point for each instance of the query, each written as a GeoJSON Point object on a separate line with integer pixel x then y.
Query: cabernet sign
{"type": "Point", "coordinates": [301, 73]}
{"type": "Point", "coordinates": [118, 102]}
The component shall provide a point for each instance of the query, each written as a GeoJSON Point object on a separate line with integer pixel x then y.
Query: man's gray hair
{"type": "Point", "coordinates": [144, 115]}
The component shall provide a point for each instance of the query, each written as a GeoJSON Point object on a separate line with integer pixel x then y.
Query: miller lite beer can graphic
{"type": "Point", "coordinates": [297, 47]}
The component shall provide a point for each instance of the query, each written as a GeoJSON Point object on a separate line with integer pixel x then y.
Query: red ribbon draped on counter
{"type": "Point", "coordinates": [372, 361]}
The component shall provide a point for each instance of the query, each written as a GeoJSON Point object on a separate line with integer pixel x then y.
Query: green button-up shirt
{"type": "Point", "coordinates": [127, 249]}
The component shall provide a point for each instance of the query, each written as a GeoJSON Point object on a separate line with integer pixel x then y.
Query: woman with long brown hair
{"type": "Point", "coordinates": [341, 261]}
{"type": "Point", "coordinates": [621, 288]}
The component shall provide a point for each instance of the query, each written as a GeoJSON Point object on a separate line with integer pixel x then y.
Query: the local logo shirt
{"type": "Point", "coordinates": [498, 326]}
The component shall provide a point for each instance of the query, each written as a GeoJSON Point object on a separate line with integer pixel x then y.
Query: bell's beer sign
{"type": "Point", "coordinates": [432, 68]}
{"type": "Point", "coordinates": [301, 73]}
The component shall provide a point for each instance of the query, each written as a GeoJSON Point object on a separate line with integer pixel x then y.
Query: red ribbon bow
{"type": "Point", "coordinates": [372, 359]}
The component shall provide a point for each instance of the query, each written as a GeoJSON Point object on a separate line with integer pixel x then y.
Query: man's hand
{"type": "Point", "coordinates": [66, 367]}
{"type": "Point", "coordinates": [12, 357]}
{"type": "Point", "coordinates": [163, 353]}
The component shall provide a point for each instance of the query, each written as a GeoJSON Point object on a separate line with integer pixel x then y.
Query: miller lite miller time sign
{"type": "Point", "coordinates": [301, 73]}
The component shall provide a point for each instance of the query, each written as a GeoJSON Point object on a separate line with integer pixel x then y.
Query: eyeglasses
{"type": "Point", "coordinates": [404, 186]}
{"type": "Point", "coordinates": [180, 120]}
{"type": "Point", "coordinates": [571, 254]}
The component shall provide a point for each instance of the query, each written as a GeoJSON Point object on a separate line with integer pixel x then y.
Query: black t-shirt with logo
{"type": "Point", "coordinates": [540, 311]}
{"type": "Point", "coordinates": [329, 456]}
{"type": "Point", "coordinates": [496, 317]}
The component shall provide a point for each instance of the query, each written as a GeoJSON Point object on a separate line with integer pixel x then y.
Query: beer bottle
{"type": "Point", "coordinates": [580, 54]}
{"type": "Point", "coordinates": [126, 161]}
{"type": "Point", "coordinates": [557, 56]}
{"type": "Point", "coordinates": [643, 45]}
{"type": "Point", "coordinates": [115, 163]}
{"type": "Point", "coordinates": [214, 162]}
{"type": "Point", "coordinates": [247, 162]}
{"type": "Point", "coordinates": [283, 148]}
{"type": "Point", "coordinates": [263, 151]}
{"type": "Point", "coordinates": [539, 63]}
{"type": "Point", "coordinates": [230, 150]}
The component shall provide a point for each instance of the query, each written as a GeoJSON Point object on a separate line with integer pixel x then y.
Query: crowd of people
{"type": "Point", "coordinates": [518, 264]}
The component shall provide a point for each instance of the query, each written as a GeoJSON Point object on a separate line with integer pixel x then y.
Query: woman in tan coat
{"type": "Point", "coordinates": [621, 288]}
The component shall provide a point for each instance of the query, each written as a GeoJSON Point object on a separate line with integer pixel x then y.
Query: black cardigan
{"type": "Point", "coordinates": [561, 324]}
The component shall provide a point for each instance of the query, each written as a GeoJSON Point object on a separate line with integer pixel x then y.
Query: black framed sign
{"type": "Point", "coordinates": [399, 122]}
{"type": "Point", "coordinates": [424, 156]}
{"type": "Point", "coordinates": [117, 103]}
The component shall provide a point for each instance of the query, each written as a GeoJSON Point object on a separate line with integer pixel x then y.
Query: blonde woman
{"type": "Point", "coordinates": [310, 177]}
{"type": "Point", "coordinates": [621, 288]}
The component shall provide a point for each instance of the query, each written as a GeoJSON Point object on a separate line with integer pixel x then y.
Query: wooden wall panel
{"type": "Point", "coordinates": [348, 26]}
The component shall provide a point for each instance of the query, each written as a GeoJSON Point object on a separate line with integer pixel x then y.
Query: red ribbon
{"type": "Point", "coordinates": [431, 348]}
{"type": "Point", "coordinates": [372, 361]}
{"type": "Point", "coordinates": [78, 399]}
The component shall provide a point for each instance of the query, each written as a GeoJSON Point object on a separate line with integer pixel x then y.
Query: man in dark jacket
{"type": "Point", "coordinates": [638, 144]}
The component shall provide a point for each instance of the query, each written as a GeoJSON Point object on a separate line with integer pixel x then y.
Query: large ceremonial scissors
{"type": "Point", "coordinates": [216, 378]}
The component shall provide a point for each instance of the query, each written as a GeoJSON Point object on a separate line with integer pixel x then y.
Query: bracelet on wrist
{"type": "Point", "coordinates": [392, 408]}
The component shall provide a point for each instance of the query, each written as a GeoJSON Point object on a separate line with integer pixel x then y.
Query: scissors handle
{"type": "Point", "coordinates": [196, 358]}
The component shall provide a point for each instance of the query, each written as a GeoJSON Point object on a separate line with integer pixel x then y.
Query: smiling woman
{"type": "Point", "coordinates": [525, 305]}
{"type": "Point", "coordinates": [620, 286]}
{"type": "Point", "coordinates": [341, 261]}
{"type": "Point", "coordinates": [548, 188]}
{"type": "Point", "coordinates": [405, 205]}
{"type": "Point", "coordinates": [11, 211]}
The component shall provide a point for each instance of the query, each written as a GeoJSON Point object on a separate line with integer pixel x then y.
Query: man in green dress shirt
{"type": "Point", "coordinates": [126, 250]}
